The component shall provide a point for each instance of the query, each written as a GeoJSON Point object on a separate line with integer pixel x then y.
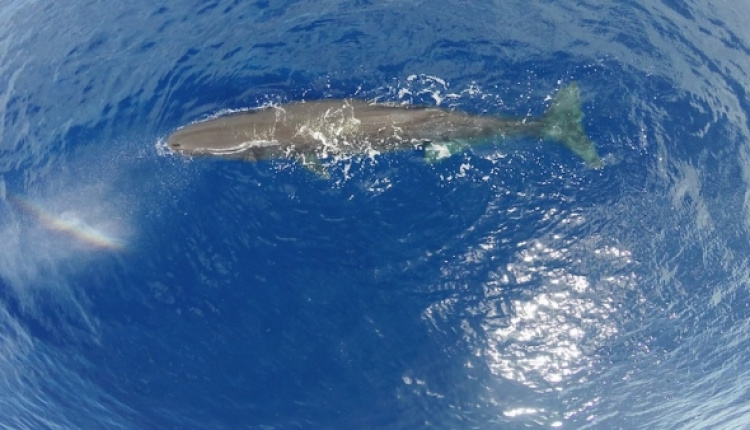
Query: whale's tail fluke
{"type": "Point", "coordinates": [562, 123]}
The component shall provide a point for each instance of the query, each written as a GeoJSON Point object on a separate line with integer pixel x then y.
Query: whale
{"type": "Point", "coordinates": [310, 132]}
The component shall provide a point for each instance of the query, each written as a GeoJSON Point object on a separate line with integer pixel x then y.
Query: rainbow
{"type": "Point", "coordinates": [71, 226]}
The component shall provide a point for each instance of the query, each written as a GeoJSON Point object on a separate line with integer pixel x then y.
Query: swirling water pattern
{"type": "Point", "coordinates": [509, 287]}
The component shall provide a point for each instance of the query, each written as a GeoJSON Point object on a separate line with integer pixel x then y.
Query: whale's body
{"type": "Point", "coordinates": [311, 131]}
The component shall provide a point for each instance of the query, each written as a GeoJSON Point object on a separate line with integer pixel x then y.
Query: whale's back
{"type": "Point", "coordinates": [310, 126]}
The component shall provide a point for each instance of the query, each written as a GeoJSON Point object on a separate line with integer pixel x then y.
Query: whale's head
{"type": "Point", "coordinates": [216, 138]}
{"type": "Point", "coordinates": [203, 139]}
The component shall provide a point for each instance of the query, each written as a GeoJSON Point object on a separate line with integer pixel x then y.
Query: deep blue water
{"type": "Point", "coordinates": [507, 287]}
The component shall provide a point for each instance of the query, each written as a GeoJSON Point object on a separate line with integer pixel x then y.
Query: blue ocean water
{"type": "Point", "coordinates": [507, 287]}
